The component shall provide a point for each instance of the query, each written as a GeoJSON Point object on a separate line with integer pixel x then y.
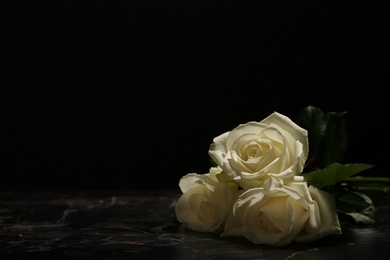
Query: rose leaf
{"type": "Point", "coordinates": [347, 201]}
{"type": "Point", "coordinates": [335, 140]}
{"type": "Point", "coordinates": [334, 173]}
{"type": "Point", "coordinates": [312, 119]}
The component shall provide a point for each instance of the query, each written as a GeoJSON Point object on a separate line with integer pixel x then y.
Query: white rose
{"type": "Point", "coordinates": [325, 221]}
{"type": "Point", "coordinates": [206, 202]}
{"type": "Point", "coordinates": [254, 151]}
{"type": "Point", "coordinates": [277, 214]}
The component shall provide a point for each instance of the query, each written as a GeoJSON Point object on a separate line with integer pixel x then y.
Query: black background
{"type": "Point", "coordinates": [126, 95]}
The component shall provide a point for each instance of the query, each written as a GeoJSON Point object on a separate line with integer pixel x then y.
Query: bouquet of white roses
{"type": "Point", "coordinates": [271, 186]}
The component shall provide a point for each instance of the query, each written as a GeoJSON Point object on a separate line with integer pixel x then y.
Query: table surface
{"type": "Point", "coordinates": [142, 225]}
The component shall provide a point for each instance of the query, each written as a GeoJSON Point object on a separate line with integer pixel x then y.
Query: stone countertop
{"type": "Point", "coordinates": [142, 225]}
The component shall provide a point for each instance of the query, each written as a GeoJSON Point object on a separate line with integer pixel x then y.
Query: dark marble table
{"type": "Point", "coordinates": [142, 225]}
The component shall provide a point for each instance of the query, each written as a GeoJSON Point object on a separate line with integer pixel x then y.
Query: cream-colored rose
{"type": "Point", "coordinates": [324, 221]}
{"type": "Point", "coordinates": [277, 214]}
{"type": "Point", "coordinates": [254, 151]}
{"type": "Point", "coordinates": [206, 201]}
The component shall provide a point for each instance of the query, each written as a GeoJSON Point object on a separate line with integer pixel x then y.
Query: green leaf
{"type": "Point", "coordinates": [347, 201]}
{"type": "Point", "coordinates": [334, 173]}
{"type": "Point", "coordinates": [357, 206]}
{"type": "Point", "coordinates": [335, 139]}
{"type": "Point", "coordinates": [327, 136]}
{"type": "Point", "coordinates": [313, 120]}
{"type": "Point", "coordinates": [364, 183]}
{"type": "Point", "coordinates": [361, 218]}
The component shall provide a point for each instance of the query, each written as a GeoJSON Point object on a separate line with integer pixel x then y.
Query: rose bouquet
{"type": "Point", "coordinates": [269, 184]}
